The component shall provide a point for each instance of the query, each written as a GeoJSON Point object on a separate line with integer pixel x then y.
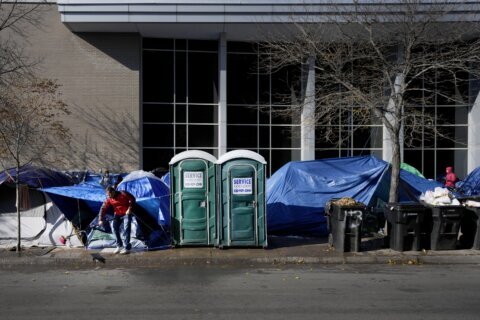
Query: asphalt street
{"type": "Point", "coordinates": [369, 291]}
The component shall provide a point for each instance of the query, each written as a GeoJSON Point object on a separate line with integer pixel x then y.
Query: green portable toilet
{"type": "Point", "coordinates": [192, 199]}
{"type": "Point", "coordinates": [241, 192]}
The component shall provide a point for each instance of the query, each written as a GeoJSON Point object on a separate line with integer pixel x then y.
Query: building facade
{"type": "Point", "coordinates": [164, 77]}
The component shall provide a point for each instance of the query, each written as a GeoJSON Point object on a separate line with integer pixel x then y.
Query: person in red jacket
{"type": "Point", "coordinates": [122, 203]}
{"type": "Point", "coordinates": [450, 178]}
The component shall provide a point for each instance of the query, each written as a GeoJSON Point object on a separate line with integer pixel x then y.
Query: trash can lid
{"type": "Point", "coordinates": [192, 154]}
{"type": "Point", "coordinates": [236, 154]}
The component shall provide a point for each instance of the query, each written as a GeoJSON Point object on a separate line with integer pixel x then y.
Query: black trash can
{"type": "Point", "coordinates": [345, 226]}
{"type": "Point", "coordinates": [469, 228]}
{"type": "Point", "coordinates": [445, 224]}
{"type": "Point", "coordinates": [405, 227]}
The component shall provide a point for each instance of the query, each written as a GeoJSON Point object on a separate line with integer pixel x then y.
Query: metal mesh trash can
{"type": "Point", "coordinates": [445, 224]}
{"type": "Point", "coordinates": [405, 226]}
{"type": "Point", "coordinates": [345, 226]}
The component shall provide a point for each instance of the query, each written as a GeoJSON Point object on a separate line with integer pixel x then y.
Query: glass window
{"type": "Point", "coordinates": [202, 77]}
{"type": "Point", "coordinates": [248, 47]}
{"type": "Point", "coordinates": [180, 77]}
{"type": "Point", "coordinates": [346, 138]}
{"type": "Point", "coordinates": [264, 114]}
{"type": "Point", "coordinates": [376, 140]}
{"type": "Point", "coordinates": [202, 113]}
{"type": "Point", "coordinates": [180, 113]}
{"type": "Point", "coordinates": [264, 136]}
{"type": "Point", "coordinates": [156, 158]}
{"type": "Point", "coordinates": [202, 136]}
{"type": "Point", "coordinates": [452, 115]}
{"type": "Point", "coordinates": [285, 115]}
{"type": "Point", "coordinates": [362, 138]}
{"type": "Point", "coordinates": [429, 164]}
{"type": "Point", "coordinates": [413, 158]}
{"type": "Point", "coordinates": [325, 154]}
{"type": "Point", "coordinates": [450, 89]}
{"type": "Point", "coordinates": [203, 45]}
{"type": "Point", "coordinates": [242, 79]}
{"type": "Point", "coordinates": [151, 43]}
{"type": "Point", "coordinates": [281, 157]}
{"type": "Point", "coordinates": [158, 113]}
{"type": "Point", "coordinates": [180, 135]}
{"type": "Point", "coordinates": [285, 137]}
{"type": "Point", "coordinates": [454, 137]}
{"type": "Point", "coordinates": [264, 88]}
{"type": "Point", "coordinates": [157, 76]}
{"type": "Point", "coordinates": [326, 137]}
{"type": "Point", "coordinates": [158, 135]}
{"type": "Point", "coordinates": [414, 93]}
{"type": "Point", "coordinates": [242, 136]}
{"type": "Point", "coordinates": [242, 114]}
{"type": "Point", "coordinates": [180, 44]}
{"type": "Point", "coordinates": [452, 158]}
{"type": "Point", "coordinates": [286, 85]}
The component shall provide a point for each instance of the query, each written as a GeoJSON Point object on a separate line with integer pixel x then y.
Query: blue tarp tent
{"type": "Point", "coordinates": [298, 192]}
{"type": "Point", "coordinates": [41, 222]}
{"type": "Point", "coordinates": [471, 184]}
{"type": "Point", "coordinates": [82, 202]}
{"type": "Point", "coordinates": [36, 177]}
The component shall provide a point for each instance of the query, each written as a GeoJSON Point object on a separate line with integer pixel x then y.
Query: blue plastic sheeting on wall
{"type": "Point", "coordinates": [298, 192]}
{"type": "Point", "coordinates": [36, 177]}
{"type": "Point", "coordinates": [471, 184]}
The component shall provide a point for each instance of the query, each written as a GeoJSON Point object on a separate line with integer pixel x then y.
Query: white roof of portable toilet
{"type": "Point", "coordinates": [241, 154]}
{"type": "Point", "coordinates": [193, 154]}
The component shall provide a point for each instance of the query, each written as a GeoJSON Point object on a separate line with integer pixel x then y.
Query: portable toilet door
{"type": "Point", "coordinates": [192, 198]}
{"type": "Point", "coordinates": [242, 213]}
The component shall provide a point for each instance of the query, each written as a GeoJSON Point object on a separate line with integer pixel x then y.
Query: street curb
{"type": "Point", "coordinates": [137, 260]}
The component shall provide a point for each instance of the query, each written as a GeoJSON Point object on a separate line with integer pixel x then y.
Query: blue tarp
{"type": "Point", "coordinates": [152, 194]}
{"type": "Point", "coordinates": [82, 202]}
{"type": "Point", "coordinates": [297, 192]}
{"type": "Point", "coordinates": [471, 184]}
{"type": "Point", "coordinates": [412, 186]}
{"type": "Point", "coordinates": [36, 177]}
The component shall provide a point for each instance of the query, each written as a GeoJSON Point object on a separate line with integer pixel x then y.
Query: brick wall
{"type": "Point", "coordinates": [99, 76]}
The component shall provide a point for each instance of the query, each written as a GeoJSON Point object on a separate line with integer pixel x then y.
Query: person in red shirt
{"type": "Point", "coordinates": [122, 203]}
{"type": "Point", "coordinates": [450, 178]}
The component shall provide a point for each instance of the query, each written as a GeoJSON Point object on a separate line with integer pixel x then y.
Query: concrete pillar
{"type": "Point", "coordinates": [308, 113]}
{"type": "Point", "coordinates": [222, 94]}
{"type": "Point", "coordinates": [473, 153]}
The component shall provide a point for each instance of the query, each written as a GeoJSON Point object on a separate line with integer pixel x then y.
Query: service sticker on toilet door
{"type": "Point", "coordinates": [242, 186]}
{"type": "Point", "coordinates": [192, 179]}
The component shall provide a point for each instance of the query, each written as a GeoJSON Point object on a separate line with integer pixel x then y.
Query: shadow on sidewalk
{"type": "Point", "coordinates": [275, 242]}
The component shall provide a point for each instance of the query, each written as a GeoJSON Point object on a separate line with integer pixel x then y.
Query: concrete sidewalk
{"type": "Point", "coordinates": [281, 250]}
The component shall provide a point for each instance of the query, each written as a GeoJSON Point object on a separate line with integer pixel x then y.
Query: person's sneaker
{"type": "Point", "coordinates": [118, 250]}
{"type": "Point", "coordinates": [124, 251]}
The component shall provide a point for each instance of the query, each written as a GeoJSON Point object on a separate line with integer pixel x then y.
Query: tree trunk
{"type": "Point", "coordinates": [395, 176]}
{"type": "Point", "coordinates": [17, 187]}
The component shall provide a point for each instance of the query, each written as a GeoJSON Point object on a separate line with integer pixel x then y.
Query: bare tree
{"type": "Point", "coordinates": [30, 127]}
{"type": "Point", "coordinates": [15, 18]}
{"type": "Point", "coordinates": [381, 61]}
